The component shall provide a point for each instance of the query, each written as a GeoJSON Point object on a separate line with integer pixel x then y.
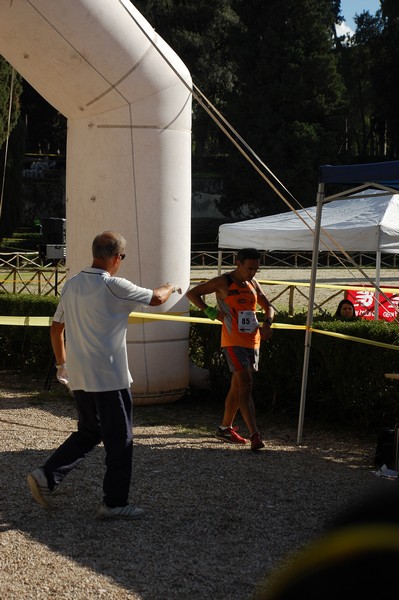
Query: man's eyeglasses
{"type": "Point", "coordinates": [121, 256]}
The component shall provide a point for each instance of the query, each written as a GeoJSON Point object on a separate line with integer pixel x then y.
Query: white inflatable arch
{"type": "Point", "coordinates": [127, 99]}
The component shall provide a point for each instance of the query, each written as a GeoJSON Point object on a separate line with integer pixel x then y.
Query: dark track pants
{"type": "Point", "coordinates": [106, 417]}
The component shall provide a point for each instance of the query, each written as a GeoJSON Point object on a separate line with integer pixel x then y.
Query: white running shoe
{"type": "Point", "coordinates": [38, 484]}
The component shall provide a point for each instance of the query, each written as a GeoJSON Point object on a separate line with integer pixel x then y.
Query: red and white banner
{"type": "Point", "coordinates": [364, 303]}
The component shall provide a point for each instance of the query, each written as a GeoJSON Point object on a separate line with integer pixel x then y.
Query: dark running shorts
{"type": "Point", "coordinates": [239, 358]}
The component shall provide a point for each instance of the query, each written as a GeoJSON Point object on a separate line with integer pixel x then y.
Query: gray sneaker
{"type": "Point", "coordinates": [119, 512]}
{"type": "Point", "coordinates": [38, 484]}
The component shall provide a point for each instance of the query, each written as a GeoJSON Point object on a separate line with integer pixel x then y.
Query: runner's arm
{"type": "Point", "coordinates": [212, 286]}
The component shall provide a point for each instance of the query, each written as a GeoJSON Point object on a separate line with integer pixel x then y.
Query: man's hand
{"type": "Point", "coordinates": [62, 374]}
{"type": "Point", "coordinates": [266, 331]}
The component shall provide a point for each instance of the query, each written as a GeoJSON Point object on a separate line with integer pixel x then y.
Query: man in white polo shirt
{"type": "Point", "coordinates": [93, 314]}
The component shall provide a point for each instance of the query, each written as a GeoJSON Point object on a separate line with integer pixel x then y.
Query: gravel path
{"type": "Point", "coordinates": [218, 517]}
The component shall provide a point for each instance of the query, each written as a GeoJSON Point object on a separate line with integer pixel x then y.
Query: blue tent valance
{"type": "Point", "coordinates": [386, 173]}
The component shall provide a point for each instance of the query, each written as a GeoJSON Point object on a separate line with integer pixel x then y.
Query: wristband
{"type": "Point", "coordinates": [60, 366]}
{"type": "Point", "coordinates": [211, 312]}
{"type": "Point", "coordinates": [268, 321]}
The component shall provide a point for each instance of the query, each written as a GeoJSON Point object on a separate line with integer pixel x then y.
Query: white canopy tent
{"type": "Point", "coordinates": [366, 222]}
{"type": "Point", "coordinates": [360, 218]}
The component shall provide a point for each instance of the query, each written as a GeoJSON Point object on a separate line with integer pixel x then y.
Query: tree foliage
{"type": "Point", "coordinates": [10, 82]}
{"type": "Point", "coordinates": [11, 129]}
{"type": "Point", "coordinates": [12, 208]}
{"type": "Point", "coordinates": [290, 101]}
{"type": "Point", "coordinates": [45, 126]}
{"type": "Point", "coordinates": [201, 33]}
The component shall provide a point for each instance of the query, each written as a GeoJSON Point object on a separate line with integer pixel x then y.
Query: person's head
{"type": "Point", "coordinates": [345, 310]}
{"type": "Point", "coordinates": [248, 260]}
{"type": "Point", "coordinates": [108, 250]}
{"type": "Point", "coordinates": [357, 545]}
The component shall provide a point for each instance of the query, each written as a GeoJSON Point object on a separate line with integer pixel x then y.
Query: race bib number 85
{"type": "Point", "coordinates": [247, 321]}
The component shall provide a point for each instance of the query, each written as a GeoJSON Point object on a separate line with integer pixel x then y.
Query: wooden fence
{"type": "Point", "coordinates": [25, 273]}
{"type": "Point", "coordinates": [209, 258]}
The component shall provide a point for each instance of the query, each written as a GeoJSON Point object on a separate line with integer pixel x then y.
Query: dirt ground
{"type": "Point", "coordinates": [218, 519]}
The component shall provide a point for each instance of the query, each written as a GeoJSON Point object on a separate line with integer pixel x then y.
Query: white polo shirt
{"type": "Point", "coordinates": [94, 308]}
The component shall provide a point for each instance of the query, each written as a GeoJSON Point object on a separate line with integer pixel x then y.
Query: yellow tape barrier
{"type": "Point", "coordinates": [136, 317]}
{"type": "Point", "coordinates": [342, 336]}
{"type": "Point", "coordinates": [33, 321]}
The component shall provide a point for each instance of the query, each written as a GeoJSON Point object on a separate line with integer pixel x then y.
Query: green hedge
{"type": "Point", "coordinates": [346, 382]}
{"type": "Point", "coordinates": [346, 379]}
{"type": "Point", "coordinates": [20, 244]}
{"type": "Point", "coordinates": [26, 347]}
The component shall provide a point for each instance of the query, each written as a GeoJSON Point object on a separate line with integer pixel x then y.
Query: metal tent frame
{"type": "Point", "coordinates": [382, 176]}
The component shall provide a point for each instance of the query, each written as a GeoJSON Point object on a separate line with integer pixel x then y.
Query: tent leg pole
{"type": "Point", "coordinates": [309, 320]}
{"type": "Point", "coordinates": [305, 368]}
{"type": "Point", "coordinates": [377, 284]}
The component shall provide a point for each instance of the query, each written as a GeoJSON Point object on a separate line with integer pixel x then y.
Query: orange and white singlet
{"type": "Point", "coordinates": [240, 325]}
